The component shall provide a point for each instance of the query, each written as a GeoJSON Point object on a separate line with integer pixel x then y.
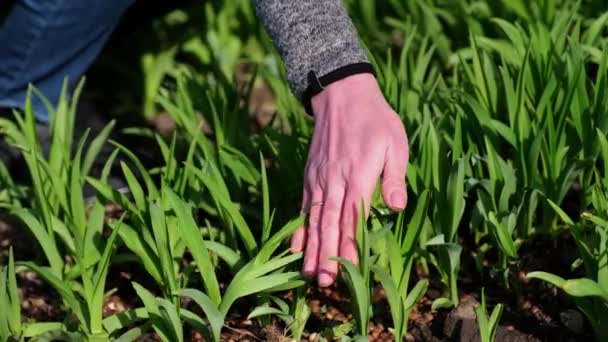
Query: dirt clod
{"type": "Point", "coordinates": [461, 324]}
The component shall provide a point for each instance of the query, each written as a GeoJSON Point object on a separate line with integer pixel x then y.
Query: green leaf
{"type": "Point", "coordinates": [169, 312]}
{"type": "Point", "coordinates": [359, 289]}
{"type": "Point", "coordinates": [197, 323]}
{"type": "Point", "coordinates": [455, 198]}
{"type": "Point", "coordinates": [415, 295]}
{"type": "Point", "coordinates": [159, 228]}
{"type": "Point", "coordinates": [39, 328]}
{"type": "Point", "coordinates": [394, 300]}
{"type": "Point", "coordinates": [548, 277]}
{"type": "Point", "coordinates": [266, 224]}
{"type": "Point", "coordinates": [150, 185]}
{"type": "Point", "coordinates": [79, 216]}
{"type": "Point", "coordinates": [107, 167]}
{"type": "Point", "coordinates": [238, 289]}
{"type": "Point", "coordinates": [134, 187]}
{"type": "Point", "coordinates": [482, 321]}
{"type": "Point", "coordinates": [414, 227]}
{"type": "Point", "coordinates": [131, 335]}
{"type": "Point", "coordinates": [95, 147]}
{"type": "Point", "coordinates": [46, 242]}
{"type": "Point", "coordinates": [494, 319]}
{"type": "Point", "coordinates": [106, 191]}
{"type": "Point", "coordinates": [254, 269]}
{"type": "Point", "coordinates": [595, 29]}
{"type": "Point", "coordinates": [99, 282]}
{"type": "Point", "coordinates": [584, 287]}
{"type": "Point", "coordinates": [215, 317]}
{"type": "Point", "coordinates": [194, 240]}
{"type": "Point", "coordinates": [93, 233]}
{"type": "Point", "coordinates": [239, 164]}
{"type": "Point", "coordinates": [60, 286]}
{"type": "Point", "coordinates": [120, 320]}
{"type": "Point", "coordinates": [560, 212]}
{"type": "Point", "coordinates": [264, 311]}
{"type": "Point", "coordinates": [275, 240]}
{"type": "Point", "coordinates": [14, 317]}
{"type": "Point", "coordinates": [503, 236]}
{"type": "Point", "coordinates": [230, 257]}
{"type": "Point", "coordinates": [160, 325]}
{"type": "Point", "coordinates": [223, 202]}
{"type": "Point", "coordinates": [441, 303]}
{"type": "Point", "coordinates": [5, 330]}
{"type": "Point", "coordinates": [146, 253]}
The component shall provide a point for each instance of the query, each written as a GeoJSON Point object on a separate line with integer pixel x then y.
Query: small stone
{"type": "Point", "coordinates": [461, 323]}
{"type": "Point", "coordinates": [573, 320]}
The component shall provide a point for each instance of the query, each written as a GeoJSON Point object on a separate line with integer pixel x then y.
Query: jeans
{"type": "Point", "coordinates": [43, 42]}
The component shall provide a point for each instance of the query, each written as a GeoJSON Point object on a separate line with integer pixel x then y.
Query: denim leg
{"type": "Point", "coordinates": [44, 41]}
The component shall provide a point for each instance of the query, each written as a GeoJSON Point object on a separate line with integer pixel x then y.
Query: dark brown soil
{"type": "Point", "coordinates": [541, 313]}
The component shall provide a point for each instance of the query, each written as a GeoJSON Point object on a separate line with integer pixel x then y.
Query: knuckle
{"type": "Point", "coordinates": [331, 178]}
{"type": "Point", "coordinates": [310, 174]}
{"type": "Point", "coordinates": [311, 179]}
{"type": "Point", "coordinates": [314, 217]}
{"type": "Point", "coordinates": [395, 176]}
{"type": "Point", "coordinates": [356, 191]}
{"type": "Point", "coordinates": [396, 123]}
{"type": "Point", "coordinates": [331, 208]}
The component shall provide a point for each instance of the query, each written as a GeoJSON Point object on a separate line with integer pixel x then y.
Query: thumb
{"type": "Point", "coordinates": [393, 177]}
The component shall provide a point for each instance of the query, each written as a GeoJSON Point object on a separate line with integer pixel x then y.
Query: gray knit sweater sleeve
{"type": "Point", "coordinates": [310, 35]}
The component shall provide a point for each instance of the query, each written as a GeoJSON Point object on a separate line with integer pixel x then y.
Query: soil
{"type": "Point", "coordinates": [539, 313]}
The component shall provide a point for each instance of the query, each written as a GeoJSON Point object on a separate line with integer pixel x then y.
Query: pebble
{"type": "Point", "coordinates": [573, 320]}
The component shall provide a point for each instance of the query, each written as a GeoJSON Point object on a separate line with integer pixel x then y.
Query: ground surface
{"type": "Point", "coordinates": [541, 313]}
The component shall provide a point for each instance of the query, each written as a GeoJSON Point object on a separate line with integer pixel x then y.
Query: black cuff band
{"type": "Point", "coordinates": [317, 84]}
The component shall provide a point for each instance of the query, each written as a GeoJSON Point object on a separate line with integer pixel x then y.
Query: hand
{"type": "Point", "coordinates": [357, 138]}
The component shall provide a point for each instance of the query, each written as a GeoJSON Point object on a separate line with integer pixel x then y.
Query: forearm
{"type": "Point", "coordinates": [310, 35]}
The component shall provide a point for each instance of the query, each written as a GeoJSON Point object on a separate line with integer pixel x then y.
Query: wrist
{"type": "Point", "coordinates": [340, 77]}
{"type": "Point", "coordinates": [348, 91]}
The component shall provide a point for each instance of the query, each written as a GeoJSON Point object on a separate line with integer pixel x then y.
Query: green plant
{"type": "Point", "coordinates": [487, 325]}
{"type": "Point", "coordinates": [59, 215]}
{"type": "Point", "coordinates": [262, 274]}
{"type": "Point", "coordinates": [358, 277]}
{"type": "Point", "coordinates": [590, 294]}
{"type": "Point", "coordinates": [401, 248]}
{"type": "Point", "coordinates": [11, 326]}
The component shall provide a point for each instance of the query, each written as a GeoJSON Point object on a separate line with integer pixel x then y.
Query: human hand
{"type": "Point", "coordinates": [357, 138]}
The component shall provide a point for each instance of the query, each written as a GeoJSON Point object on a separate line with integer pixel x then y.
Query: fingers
{"type": "Point", "coordinates": [348, 239]}
{"type": "Point", "coordinates": [332, 226]}
{"type": "Point", "coordinates": [351, 211]}
{"type": "Point", "coordinates": [330, 234]}
{"type": "Point", "coordinates": [311, 255]}
{"type": "Point", "coordinates": [393, 177]}
{"type": "Point", "coordinates": [298, 240]}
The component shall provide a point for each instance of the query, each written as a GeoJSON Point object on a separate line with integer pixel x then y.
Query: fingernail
{"type": "Point", "coordinates": [309, 272]}
{"type": "Point", "coordinates": [398, 200]}
{"type": "Point", "coordinates": [295, 246]}
{"type": "Point", "coordinates": [325, 279]}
